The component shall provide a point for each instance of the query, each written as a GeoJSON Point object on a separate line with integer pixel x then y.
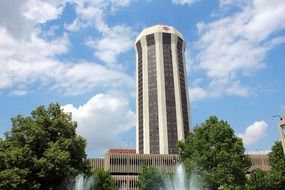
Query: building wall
{"type": "Point", "coordinates": [125, 167]}
{"type": "Point", "coordinates": [133, 163]}
{"type": "Point", "coordinates": [96, 163]}
{"type": "Point", "coordinates": [281, 129]}
{"type": "Point", "coordinates": [259, 161]}
{"type": "Point", "coordinates": [163, 114]}
{"type": "Point", "coordinates": [126, 182]}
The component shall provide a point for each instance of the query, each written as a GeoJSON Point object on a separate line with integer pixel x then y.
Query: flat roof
{"type": "Point", "coordinates": [121, 151]}
{"type": "Point", "coordinates": [159, 28]}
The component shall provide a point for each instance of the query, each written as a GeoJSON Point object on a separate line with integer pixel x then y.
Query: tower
{"type": "Point", "coordinates": [163, 114]}
{"type": "Point", "coordinates": [281, 129]}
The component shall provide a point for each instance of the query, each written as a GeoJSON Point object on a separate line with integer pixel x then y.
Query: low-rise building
{"type": "Point", "coordinates": [125, 165]}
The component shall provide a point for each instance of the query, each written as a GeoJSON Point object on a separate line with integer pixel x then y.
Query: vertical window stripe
{"type": "Point", "coordinates": [169, 94]}
{"type": "Point", "coordinates": [152, 95]}
{"type": "Point", "coordinates": [140, 97]}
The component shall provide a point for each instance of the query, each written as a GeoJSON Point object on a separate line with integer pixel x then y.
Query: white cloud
{"type": "Point", "coordinates": [101, 120]}
{"type": "Point", "coordinates": [20, 17]}
{"type": "Point", "coordinates": [236, 89]}
{"type": "Point", "coordinates": [31, 61]}
{"type": "Point", "coordinates": [21, 61]}
{"type": "Point", "coordinates": [11, 17]}
{"type": "Point", "coordinates": [254, 132]}
{"type": "Point", "coordinates": [259, 152]}
{"type": "Point", "coordinates": [217, 88]}
{"type": "Point", "coordinates": [19, 92]}
{"type": "Point", "coordinates": [182, 2]}
{"type": "Point", "coordinates": [232, 2]}
{"type": "Point", "coordinates": [115, 41]}
{"type": "Point", "coordinates": [197, 94]}
{"type": "Point", "coordinates": [75, 79]}
{"type": "Point", "coordinates": [41, 11]}
{"type": "Point", "coordinates": [93, 13]}
{"type": "Point", "coordinates": [74, 26]}
{"type": "Point", "coordinates": [235, 46]}
{"type": "Point", "coordinates": [225, 86]}
{"type": "Point", "coordinates": [119, 3]}
{"type": "Point", "coordinates": [27, 59]}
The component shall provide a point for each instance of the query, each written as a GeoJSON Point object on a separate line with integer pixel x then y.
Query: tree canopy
{"type": "Point", "coordinates": [277, 163]}
{"type": "Point", "coordinates": [103, 180]}
{"type": "Point", "coordinates": [150, 179]}
{"type": "Point", "coordinates": [41, 150]}
{"type": "Point", "coordinates": [258, 179]}
{"type": "Point", "coordinates": [215, 155]}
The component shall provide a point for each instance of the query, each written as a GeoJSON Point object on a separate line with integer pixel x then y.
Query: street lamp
{"type": "Point", "coordinates": [281, 129]}
{"type": "Point", "coordinates": [272, 117]}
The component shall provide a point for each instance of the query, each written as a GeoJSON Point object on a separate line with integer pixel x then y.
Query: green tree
{"type": "Point", "coordinates": [41, 151]}
{"type": "Point", "coordinates": [150, 179]}
{"type": "Point", "coordinates": [258, 180]}
{"type": "Point", "coordinates": [277, 163]}
{"type": "Point", "coordinates": [215, 155]}
{"type": "Point", "coordinates": [103, 180]}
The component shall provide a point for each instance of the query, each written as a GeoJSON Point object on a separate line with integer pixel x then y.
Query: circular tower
{"type": "Point", "coordinates": [162, 103]}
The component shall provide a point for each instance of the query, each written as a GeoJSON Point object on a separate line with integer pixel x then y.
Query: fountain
{"type": "Point", "coordinates": [180, 181]}
{"type": "Point", "coordinates": [83, 183]}
{"type": "Point", "coordinates": [177, 181]}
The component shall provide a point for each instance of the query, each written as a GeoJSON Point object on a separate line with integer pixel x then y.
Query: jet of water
{"type": "Point", "coordinates": [181, 181]}
{"type": "Point", "coordinates": [83, 183]}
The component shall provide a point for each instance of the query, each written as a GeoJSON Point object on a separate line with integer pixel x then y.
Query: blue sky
{"type": "Point", "coordinates": [80, 53]}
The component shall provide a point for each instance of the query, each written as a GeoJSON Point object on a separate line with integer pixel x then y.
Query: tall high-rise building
{"type": "Point", "coordinates": [163, 115]}
{"type": "Point", "coordinates": [281, 129]}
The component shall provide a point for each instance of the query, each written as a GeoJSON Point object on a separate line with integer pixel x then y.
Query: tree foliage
{"type": "Point", "coordinates": [214, 154]}
{"type": "Point", "coordinates": [103, 180]}
{"type": "Point", "coordinates": [41, 150]}
{"type": "Point", "coordinates": [277, 163]}
{"type": "Point", "coordinates": [150, 179]}
{"type": "Point", "coordinates": [258, 179]}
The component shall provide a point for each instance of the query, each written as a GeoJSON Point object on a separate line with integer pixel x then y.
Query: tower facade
{"type": "Point", "coordinates": [281, 129]}
{"type": "Point", "coordinates": [162, 102]}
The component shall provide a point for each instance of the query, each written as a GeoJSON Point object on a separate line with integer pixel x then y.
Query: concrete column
{"type": "Point", "coordinates": [187, 91]}
{"type": "Point", "coordinates": [162, 121]}
{"type": "Point", "coordinates": [177, 89]}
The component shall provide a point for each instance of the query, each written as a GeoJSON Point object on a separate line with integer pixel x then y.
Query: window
{"type": "Point", "coordinates": [140, 96]}
{"type": "Point", "coordinates": [152, 94]}
{"type": "Point", "coordinates": [169, 93]}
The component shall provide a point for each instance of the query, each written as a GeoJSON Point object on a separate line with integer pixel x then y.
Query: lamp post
{"type": "Point", "coordinates": [281, 129]}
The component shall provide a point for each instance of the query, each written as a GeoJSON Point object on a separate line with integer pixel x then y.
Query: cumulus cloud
{"type": "Point", "coordinates": [41, 11]}
{"type": "Point", "coordinates": [101, 120]}
{"type": "Point", "coordinates": [31, 61]}
{"type": "Point", "coordinates": [20, 17]}
{"type": "Point", "coordinates": [115, 41]}
{"type": "Point", "coordinates": [27, 58]}
{"type": "Point", "coordinates": [217, 88]}
{"type": "Point", "coordinates": [182, 2]}
{"type": "Point", "coordinates": [232, 2]}
{"type": "Point", "coordinates": [119, 3]}
{"type": "Point", "coordinates": [235, 46]}
{"type": "Point", "coordinates": [197, 93]}
{"type": "Point", "coordinates": [236, 89]}
{"type": "Point", "coordinates": [254, 132]}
